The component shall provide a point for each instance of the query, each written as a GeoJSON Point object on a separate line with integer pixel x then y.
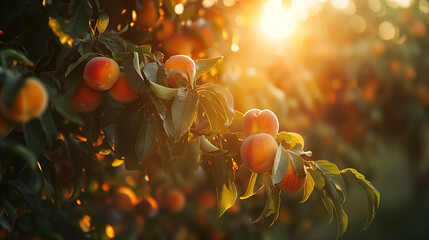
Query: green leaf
{"type": "Point", "coordinates": [329, 205]}
{"type": "Point", "coordinates": [211, 113]}
{"type": "Point", "coordinates": [103, 22]}
{"type": "Point", "coordinates": [191, 157]}
{"type": "Point", "coordinates": [49, 127]}
{"type": "Point", "coordinates": [155, 73]}
{"type": "Point", "coordinates": [308, 188]}
{"type": "Point", "coordinates": [237, 121]}
{"type": "Point", "coordinates": [64, 107]}
{"type": "Point", "coordinates": [317, 177]}
{"type": "Point", "coordinates": [24, 154]}
{"type": "Point", "coordinates": [134, 76]}
{"type": "Point", "coordinates": [144, 50]}
{"type": "Point", "coordinates": [183, 111]}
{"type": "Point", "coordinates": [224, 176]}
{"type": "Point", "coordinates": [34, 136]}
{"type": "Point", "coordinates": [9, 210]}
{"type": "Point", "coordinates": [146, 138]}
{"type": "Point", "coordinates": [77, 23]}
{"type": "Point", "coordinates": [204, 65]}
{"type": "Point", "coordinates": [163, 92]}
{"type": "Point", "coordinates": [74, 65]}
{"type": "Point", "coordinates": [221, 96]}
{"type": "Point", "coordinates": [332, 174]}
{"type": "Point", "coordinates": [291, 138]}
{"type": "Point", "coordinates": [372, 193]}
{"type": "Point", "coordinates": [12, 84]}
{"type": "Point", "coordinates": [342, 219]}
{"type": "Point", "coordinates": [281, 164]}
{"type": "Point", "coordinates": [206, 145]}
{"type": "Point", "coordinates": [294, 155]}
{"type": "Point", "coordinates": [272, 204]}
{"type": "Point", "coordinates": [256, 183]}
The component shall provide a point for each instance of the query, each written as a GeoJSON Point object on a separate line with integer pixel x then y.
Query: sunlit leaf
{"type": "Point", "coordinates": [224, 97]}
{"type": "Point", "coordinates": [103, 22]}
{"type": "Point", "coordinates": [206, 145]}
{"type": "Point", "coordinates": [291, 138]}
{"type": "Point", "coordinates": [281, 164]}
{"type": "Point", "coordinates": [308, 188]}
{"type": "Point", "coordinates": [256, 183]}
{"type": "Point", "coordinates": [184, 111]}
{"type": "Point", "coordinates": [163, 92]}
{"type": "Point", "coordinates": [342, 219]}
{"type": "Point", "coordinates": [211, 113]}
{"type": "Point", "coordinates": [372, 193]}
{"type": "Point", "coordinates": [330, 172]}
{"type": "Point", "coordinates": [272, 204]}
{"type": "Point", "coordinates": [224, 176]}
{"type": "Point", "coordinates": [204, 65]}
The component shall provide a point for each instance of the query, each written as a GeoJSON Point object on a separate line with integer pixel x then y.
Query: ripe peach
{"type": "Point", "coordinates": [257, 121]}
{"type": "Point", "coordinates": [121, 91]}
{"type": "Point", "coordinates": [30, 102]}
{"type": "Point", "coordinates": [174, 200]}
{"type": "Point", "coordinates": [177, 44]}
{"type": "Point", "coordinates": [207, 200]}
{"type": "Point", "coordinates": [148, 206]}
{"type": "Point", "coordinates": [101, 73]}
{"type": "Point", "coordinates": [290, 182]}
{"type": "Point", "coordinates": [86, 99]}
{"type": "Point", "coordinates": [258, 152]}
{"type": "Point", "coordinates": [147, 15]}
{"type": "Point", "coordinates": [182, 63]}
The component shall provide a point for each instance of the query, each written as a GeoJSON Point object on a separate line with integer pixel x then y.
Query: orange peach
{"type": "Point", "coordinates": [30, 102]}
{"type": "Point", "coordinates": [258, 152]}
{"type": "Point", "coordinates": [182, 63]}
{"type": "Point", "coordinates": [86, 99]}
{"type": "Point", "coordinates": [177, 44]}
{"type": "Point", "coordinates": [290, 182]}
{"type": "Point", "coordinates": [257, 121]}
{"type": "Point", "coordinates": [174, 200]}
{"type": "Point", "coordinates": [147, 15]}
{"type": "Point", "coordinates": [101, 73]}
{"type": "Point", "coordinates": [121, 91]}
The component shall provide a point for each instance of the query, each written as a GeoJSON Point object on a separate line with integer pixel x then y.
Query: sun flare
{"type": "Point", "coordinates": [277, 22]}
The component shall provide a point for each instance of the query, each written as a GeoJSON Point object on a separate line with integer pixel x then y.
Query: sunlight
{"type": "Point", "coordinates": [277, 22]}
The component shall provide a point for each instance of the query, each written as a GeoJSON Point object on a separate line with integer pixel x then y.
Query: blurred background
{"type": "Point", "coordinates": [350, 76]}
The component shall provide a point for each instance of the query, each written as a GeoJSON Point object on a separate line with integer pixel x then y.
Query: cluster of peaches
{"type": "Point", "coordinates": [259, 148]}
{"type": "Point", "coordinates": [30, 102]}
{"type": "Point", "coordinates": [102, 74]}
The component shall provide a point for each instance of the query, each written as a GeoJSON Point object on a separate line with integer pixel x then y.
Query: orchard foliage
{"type": "Point", "coordinates": [66, 157]}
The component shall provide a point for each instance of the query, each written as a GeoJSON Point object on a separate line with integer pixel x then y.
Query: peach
{"type": "Point", "coordinates": [30, 102]}
{"type": "Point", "coordinates": [258, 152]}
{"type": "Point", "coordinates": [174, 200]}
{"type": "Point", "coordinates": [147, 15]}
{"type": "Point", "coordinates": [257, 121]}
{"type": "Point", "coordinates": [290, 182]}
{"type": "Point", "coordinates": [121, 91]}
{"type": "Point", "coordinates": [177, 44]}
{"type": "Point", "coordinates": [101, 73]}
{"type": "Point", "coordinates": [125, 199]}
{"type": "Point", "coordinates": [86, 99]}
{"type": "Point", "coordinates": [182, 63]}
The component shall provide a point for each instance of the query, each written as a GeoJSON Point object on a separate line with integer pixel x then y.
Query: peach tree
{"type": "Point", "coordinates": [157, 118]}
